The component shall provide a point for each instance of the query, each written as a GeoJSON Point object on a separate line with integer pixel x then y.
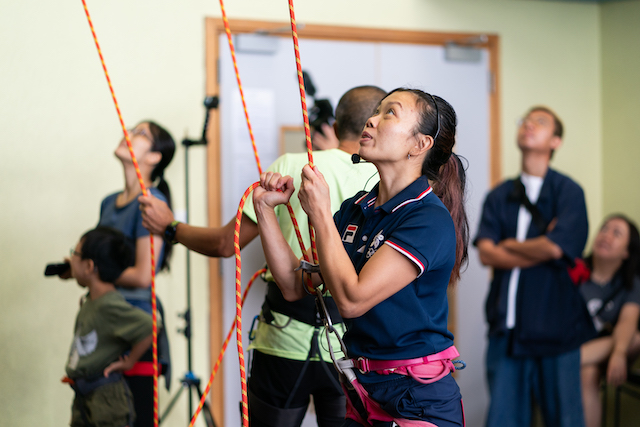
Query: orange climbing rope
{"type": "Point", "coordinates": [236, 242]}
{"type": "Point", "coordinates": [235, 67]}
{"type": "Point", "coordinates": [224, 348]}
{"type": "Point", "coordinates": [144, 192]}
{"type": "Point", "coordinates": [239, 300]}
{"type": "Point", "coordinates": [307, 130]}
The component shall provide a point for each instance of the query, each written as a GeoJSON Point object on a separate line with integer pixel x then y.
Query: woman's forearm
{"type": "Point", "coordinates": [625, 327]}
{"type": "Point", "coordinates": [280, 258]}
{"type": "Point", "coordinates": [139, 275]}
{"type": "Point", "coordinates": [337, 269]}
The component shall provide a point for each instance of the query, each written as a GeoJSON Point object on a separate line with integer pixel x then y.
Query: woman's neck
{"type": "Point", "coordinates": [395, 179]}
{"type": "Point", "coordinates": [132, 184]}
{"type": "Point", "coordinates": [604, 270]}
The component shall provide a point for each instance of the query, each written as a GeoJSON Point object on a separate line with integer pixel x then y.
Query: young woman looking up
{"type": "Point", "coordinates": [612, 295]}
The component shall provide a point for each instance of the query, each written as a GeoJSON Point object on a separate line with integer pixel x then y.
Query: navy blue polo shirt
{"type": "Point", "coordinates": [550, 317]}
{"type": "Point", "coordinates": [413, 322]}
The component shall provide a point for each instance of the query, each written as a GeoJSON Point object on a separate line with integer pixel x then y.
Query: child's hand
{"type": "Point", "coordinates": [67, 274]}
{"type": "Point", "coordinates": [120, 365]}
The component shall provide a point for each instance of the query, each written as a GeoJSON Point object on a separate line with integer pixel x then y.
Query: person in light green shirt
{"type": "Point", "coordinates": [290, 360]}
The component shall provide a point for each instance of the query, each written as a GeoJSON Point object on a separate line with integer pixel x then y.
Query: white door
{"type": "Point", "coordinates": [270, 82]}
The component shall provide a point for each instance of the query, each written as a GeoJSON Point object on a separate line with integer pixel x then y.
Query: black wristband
{"type": "Point", "coordinates": [170, 232]}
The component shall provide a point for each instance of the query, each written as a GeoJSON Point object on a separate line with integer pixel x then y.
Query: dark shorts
{"type": "Point", "coordinates": [439, 403]}
{"type": "Point", "coordinates": [108, 406]}
{"type": "Point", "coordinates": [273, 380]}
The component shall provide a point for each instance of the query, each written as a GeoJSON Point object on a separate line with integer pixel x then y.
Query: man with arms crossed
{"type": "Point", "coordinates": [531, 229]}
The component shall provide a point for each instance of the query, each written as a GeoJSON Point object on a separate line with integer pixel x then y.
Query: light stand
{"type": "Point", "coordinates": [190, 381]}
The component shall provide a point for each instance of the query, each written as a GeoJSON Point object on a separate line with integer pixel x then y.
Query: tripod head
{"type": "Point", "coordinates": [210, 103]}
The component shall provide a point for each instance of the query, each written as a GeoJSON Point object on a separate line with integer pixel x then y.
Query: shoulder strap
{"type": "Point", "coordinates": [520, 194]}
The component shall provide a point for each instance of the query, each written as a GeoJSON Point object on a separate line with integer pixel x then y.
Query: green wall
{"type": "Point", "coordinates": [620, 23]}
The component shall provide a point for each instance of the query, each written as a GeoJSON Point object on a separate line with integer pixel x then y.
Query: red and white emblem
{"type": "Point", "coordinates": [350, 233]}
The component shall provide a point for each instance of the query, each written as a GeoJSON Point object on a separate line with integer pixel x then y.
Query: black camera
{"type": "Point", "coordinates": [56, 269]}
{"type": "Point", "coordinates": [322, 111]}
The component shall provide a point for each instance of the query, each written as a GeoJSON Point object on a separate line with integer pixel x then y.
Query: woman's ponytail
{"type": "Point", "coordinates": [443, 167]}
{"type": "Point", "coordinates": [449, 186]}
{"type": "Point", "coordinates": [164, 144]}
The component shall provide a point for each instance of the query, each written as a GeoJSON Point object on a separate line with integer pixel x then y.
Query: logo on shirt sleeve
{"type": "Point", "coordinates": [349, 234]}
{"type": "Point", "coordinates": [375, 244]}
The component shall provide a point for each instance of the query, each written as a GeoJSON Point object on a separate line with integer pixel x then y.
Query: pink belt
{"type": "Point", "coordinates": [425, 370]}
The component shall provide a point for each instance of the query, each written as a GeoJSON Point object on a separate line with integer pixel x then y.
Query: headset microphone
{"type": "Point", "coordinates": [355, 158]}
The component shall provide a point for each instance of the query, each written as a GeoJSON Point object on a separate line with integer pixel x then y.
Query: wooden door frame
{"type": "Point", "coordinates": [214, 28]}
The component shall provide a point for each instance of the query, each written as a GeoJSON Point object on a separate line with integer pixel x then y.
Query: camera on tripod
{"type": "Point", "coordinates": [322, 111]}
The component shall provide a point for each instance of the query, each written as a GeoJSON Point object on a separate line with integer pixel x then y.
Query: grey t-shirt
{"type": "Point", "coordinates": [595, 295]}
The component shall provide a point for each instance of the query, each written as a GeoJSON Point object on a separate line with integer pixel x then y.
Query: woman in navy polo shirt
{"type": "Point", "coordinates": [387, 257]}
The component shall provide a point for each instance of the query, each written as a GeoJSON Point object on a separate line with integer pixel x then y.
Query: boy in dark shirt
{"type": "Point", "coordinates": [106, 327]}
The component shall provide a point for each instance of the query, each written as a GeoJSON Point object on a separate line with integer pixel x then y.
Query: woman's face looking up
{"type": "Point", "coordinates": [612, 241]}
{"type": "Point", "coordinates": [390, 133]}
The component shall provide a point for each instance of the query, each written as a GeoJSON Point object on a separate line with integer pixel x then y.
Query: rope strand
{"type": "Point", "coordinates": [144, 192]}
{"type": "Point", "coordinates": [236, 242]}
{"type": "Point", "coordinates": [235, 67]}
{"type": "Point", "coordinates": [223, 350]}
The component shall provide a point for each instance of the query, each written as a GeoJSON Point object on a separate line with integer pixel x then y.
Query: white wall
{"type": "Point", "coordinates": [59, 129]}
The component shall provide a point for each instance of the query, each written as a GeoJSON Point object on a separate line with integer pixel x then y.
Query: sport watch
{"type": "Point", "coordinates": [170, 232]}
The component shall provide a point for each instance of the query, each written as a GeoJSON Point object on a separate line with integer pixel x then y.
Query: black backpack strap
{"type": "Point", "coordinates": [520, 194]}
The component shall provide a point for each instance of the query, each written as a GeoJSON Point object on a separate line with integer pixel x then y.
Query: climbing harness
{"type": "Point", "coordinates": [425, 370]}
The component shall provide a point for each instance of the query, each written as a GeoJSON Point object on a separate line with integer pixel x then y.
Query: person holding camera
{"type": "Point", "coordinates": [106, 327]}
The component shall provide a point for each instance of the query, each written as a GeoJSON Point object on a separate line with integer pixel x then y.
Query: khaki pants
{"type": "Point", "coordinates": [108, 406]}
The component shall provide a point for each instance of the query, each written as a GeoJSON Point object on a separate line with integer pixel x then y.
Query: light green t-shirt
{"type": "Point", "coordinates": [344, 179]}
{"type": "Point", "coordinates": [105, 328]}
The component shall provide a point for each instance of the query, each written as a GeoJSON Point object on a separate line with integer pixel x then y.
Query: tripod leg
{"type": "Point", "coordinates": [171, 403]}
{"type": "Point", "coordinates": [206, 410]}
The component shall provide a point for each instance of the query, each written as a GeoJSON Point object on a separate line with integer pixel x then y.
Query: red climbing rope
{"type": "Point", "coordinates": [235, 67]}
{"type": "Point", "coordinates": [223, 350]}
{"type": "Point", "coordinates": [144, 192]}
{"type": "Point", "coordinates": [307, 130]}
{"type": "Point", "coordinates": [236, 242]}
